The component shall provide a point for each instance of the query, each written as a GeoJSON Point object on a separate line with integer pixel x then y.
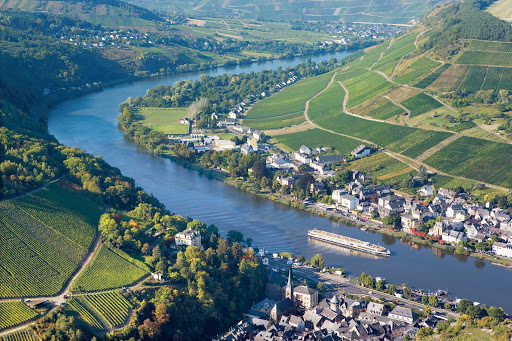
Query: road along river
{"type": "Point", "coordinates": [90, 123]}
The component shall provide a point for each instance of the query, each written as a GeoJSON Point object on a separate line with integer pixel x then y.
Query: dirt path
{"type": "Point", "coordinates": [35, 190]}
{"type": "Point", "coordinates": [345, 110]}
{"type": "Point", "coordinates": [438, 147]}
{"type": "Point", "coordinates": [407, 112]}
{"type": "Point", "coordinates": [382, 54]}
{"type": "Point", "coordinates": [492, 132]}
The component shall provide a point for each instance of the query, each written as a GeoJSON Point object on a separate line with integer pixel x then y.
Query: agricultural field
{"type": "Point", "coordinates": [329, 102]}
{"type": "Point", "coordinates": [364, 86]}
{"type": "Point", "coordinates": [490, 46]}
{"type": "Point", "coordinates": [447, 79]}
{"type": "Point", "coordinates": [165, 120]}
{"type": "Point", "coordinates": [476, 159]}
{"type": "Point", "coordinates": [14, 313]}
{"type": "Point", "coordinates": [372, 55]}
{"type": "Point", "coordinates": [377, 107]}
{"type": "Point", "coordinates": [41, 249]}
{"type": "Point", "coordinates": [429, 79]}
{"type": "Point", "coordinates": [415, 144]}
{"type": "Point", "coordinates": [107, 271]}
{"type": "Point", "coordinates": [476, 78]}
{"type": "Point", "coordinates": [282, 121]}
{"type": "Point", "coordinates": [22, 335]}
{"type": "Point", "coordinates": [379, 165]}
{"type": "Point", "coordinates": [485, 58]}
{"type": "Point", "coordinates": [291, 99]}
{"type": "Point", "coordinates": [418, 68]}
{"type": "Point", "coordinates": [420, 104]}
{"type": "Point", "coordinates": [462, 126]}
{"type": "Point", "coordinates": [84, 313]}
{"type": "Point", "coordinates": [110, 306]}
{"type": "Point", "coordinates": [316, 138]}
{"type": "Point", "coordinates": [397, 50]}
{"type": "Point", "coordinates": [501, 9]}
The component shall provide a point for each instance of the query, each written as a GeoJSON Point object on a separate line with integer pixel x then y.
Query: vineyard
{"type": "Point", "coordinates": [41, 249]}
{"type": "Point", "coordinates": [485, 58]}
{"type": "Point", "coordinates": [328, 102]}
{"type": "Point", "coordinates": [14, 313]}
{"type": "Point", "coordinates": [418, 68]}
{"type": "Point", "coordinates": [476, 78]}
{"type": "Point", "coordinates": [111, 306]}
{"type": "Point", "coordinates": [317, 138]}
{"type": "Point", "coordinates": [378, 107]}
{"type": "Point", "coordinates": [291, 99]}
{"type": "Point", "coordinates": [476, 159]}
{"type": "Point", "coordinates": [398, 49]}
{"type": "Point", "coordinates": [85, 314]}
{"type": "Point", "coordinates": [431, 78]}
{"type": "Point", "coordinates": [22, 335]}
{"type": "Point", "coordinates": [107, 271]}
{"type": "Point", "coordinates": [420, 104]}
{"type": "Point", "coordinates": [362, 86]}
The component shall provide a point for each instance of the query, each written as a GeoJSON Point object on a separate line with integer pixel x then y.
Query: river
{"type": "Point", "coordinates": [90, 123]}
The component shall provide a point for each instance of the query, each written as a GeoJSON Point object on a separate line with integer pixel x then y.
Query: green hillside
{"type": "Point", "coordinates": [438, 96]}
{"type": "Point", "coordinates": [390, 11]}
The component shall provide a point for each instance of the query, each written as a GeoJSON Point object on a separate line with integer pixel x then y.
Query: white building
{"type": "Point", "coordinates": [224, 144]}
{"type": "Point", "coordinates": [361, 151]}
{"type": "Point", "coordinates": [453, 237]}
{"type": "Point", "coordinates": [189, 237]}
{"type": "Point", "coordinates": [426, 191]}
{"type": "Point", "coordinates": [402, 314]}
{"type": "Point", "coordinates": [349, 201]}
{"type": "Point", "coordinates": [502, 249]}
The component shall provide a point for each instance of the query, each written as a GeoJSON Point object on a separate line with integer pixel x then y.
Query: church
{"type": "Point", "coordinates": [298, 297]}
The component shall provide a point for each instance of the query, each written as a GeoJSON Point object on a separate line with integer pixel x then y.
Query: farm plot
{"type": "Point", "coordinates": [84, 313]}
{"type": "Point", "coordinates": [448, 79]}
{"type": "Point", "coordinates": [399, 49]}
{"type": "Point", "coordinates": [490, 46]}
{"type": "Point", "coordinates": [420, 104]}
{"type": "Point", "coordinates": [317, 138]}
{"type": "Point", "coordinates": [277, 122]}
{"type": "Point", "coordinates": [377, 107]}
{"type": "Point", "coordinates": [485, 58]}
{"type": "Point", "coordinates": [378, 165]}
{"type": "Point", "coordinates": [111, 306]}
{"type": "Point", "coordinates": [165, 120]}
{"type": "Point", "coordinates": [372, 55]}
{"type": "Point", "coordinates": [22, 335]}
{"type": "Point", "coordinates": [418, 142]}
{"type": "Point", "coordinates": [364, 86]}
{"type": "Point", "coordinates": [417, 69]}
{"type": "Point", "coordinates": [107, 270]}
{"type": "Point", "coordinates": [476, 159]}
{"type": "Point", "coordinates": [292, 99]}
{"type": "Point", "coordinates": [328, 103]}
{"type": "Point", "coordinates": [422, 84]}
{"type": "Point", "coordinates": [14, 313]}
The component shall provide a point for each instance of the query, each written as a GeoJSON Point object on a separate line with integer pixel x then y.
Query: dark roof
{"type": "Point", "coordinates": [330, 158]}
{"type": "Point", "coordinates": [283, 305]}
{"type": "Point", "coordinates": [304, 290]}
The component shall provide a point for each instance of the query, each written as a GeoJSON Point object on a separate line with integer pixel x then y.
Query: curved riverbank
{"type": "Point", "coordinates": [90, 123]}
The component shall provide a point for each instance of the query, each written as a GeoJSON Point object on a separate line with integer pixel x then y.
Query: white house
{"type": "Point", "coordinates": [349, 201]}
{"type": "Point", "coordinates": [189, 237]}
{"type": "Point", "coordinates": [224, 144]}
{"type": "Point", "coordinates": [361, 151]}
{"type": "Point", "coordinates": [426, 191]}
{"type": "Point", "coordinates": [502, 249]}
{"type": "Point", "coordinates": [402, 314]}
{"type": "Point", "coordinates": [453, 237]}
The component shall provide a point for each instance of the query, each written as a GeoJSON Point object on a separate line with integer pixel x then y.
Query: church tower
{"type": "Point", "coordinates": [289, 286]}
{"type": "Point", "coordinates": [334, 304]}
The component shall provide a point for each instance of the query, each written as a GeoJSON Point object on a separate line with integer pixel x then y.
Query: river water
{"type": "Point", "coordinates": [89, 123]}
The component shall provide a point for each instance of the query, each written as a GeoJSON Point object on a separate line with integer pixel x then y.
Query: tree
{"type": "Point", "coordinates": [259, 169]}
{"type": "Point", "coordinates": [496, 313]}
{"type": "Point", "coordinates": [393, 220]}
{"type": "Point", "coordinates": [447, 306]}
{"type": "Point", "coordinates": [407, 291]}
{"type": "Point", "coordinates": [235, 236]}
{"type": "Point", "coordinates": [317, 261]}
{"type": "Point", "coordinates": [265, 182]}
{"type": "Point", "coordinates": [424, 333]}
{"type": "Point", "coordinates": [432, 301]}
{"type": "Point", "coordinates": [464, 305]}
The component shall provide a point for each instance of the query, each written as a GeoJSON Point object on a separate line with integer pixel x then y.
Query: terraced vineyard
{"type": "Point", "coordinates": [85, 314]}
{"type": "Point", "coordinates": [418, 68]}
{"type": "Point", "coordinates": [41, 249]}
{"type": "Point", "coordinates": [22, 335]}
{"type": "Point", "coordinates": [432, 77]}
{"type": "Point", "coordinates": [317, 138]}
{"type": "Point", "coordinates": [107, 271]}
{"type": "Point", "coordinates": [111, 306]}
{"type": "Point", "coordinates": [363, 85]}
{"type": "Point", "coordinates": [398, 50]}
{"type": "Point", "coordinates": [14, 313]}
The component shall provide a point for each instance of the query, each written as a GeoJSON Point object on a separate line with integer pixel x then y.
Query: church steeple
{"type": "Point", "coordinates": [289, 286]}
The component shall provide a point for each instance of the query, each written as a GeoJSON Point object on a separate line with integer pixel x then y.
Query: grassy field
{"type": "Point", "coordinates": [418, 68]}
{"type": "Point", "coordinates": [14, 313]}
{"type": "Point", "coordinates": [364, 85]}
{"type": "Point", "coordinates": [111, 306]}
{"type": "Point", "coordinates": [317, 138]}
{"type": "Point", "coordinates": [107, 271]}
{"type": "Point", "coordinates": [42, 247]}
{"type": "Point", "coordinates": [476, 159]}
{"type": "Point", "coordinates": [420, 104]}
{"type": "Point", "coordinates": [292, 99]}
{"type": "Point", "coordinates": [501, 9]}
{"type": "Point", "coordinates": [165, 120]}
